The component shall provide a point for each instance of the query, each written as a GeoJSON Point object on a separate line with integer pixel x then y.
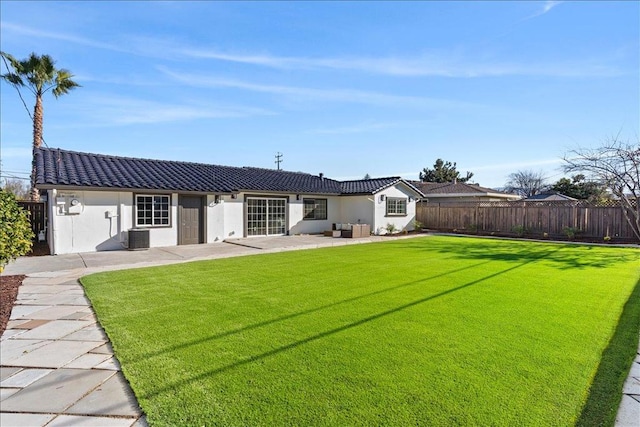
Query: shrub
{"type": "Point", "coordinates": [570, 232]}
{"type": "Point", "coordinates": [519, 230]}
{"type": "Point", "coordinates": [391, 228]}
{"type": "Point", "coordinates": [417, 225]}
{"type": "Point", "coordinates": [15, 230]}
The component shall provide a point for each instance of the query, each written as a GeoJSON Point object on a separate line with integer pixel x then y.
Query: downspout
{"type": "Point", "coordinates": [51, 202]}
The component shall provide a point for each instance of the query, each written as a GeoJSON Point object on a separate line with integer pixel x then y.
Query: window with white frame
{"type": "Point", "coordinates": [396, 206]}
{"type": "Point", "coordinates": [314, 208]}
{"type": "Point", "coordinates": [153, 210]}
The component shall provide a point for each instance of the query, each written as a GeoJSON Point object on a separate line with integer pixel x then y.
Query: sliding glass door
{"type": "Point", "coordinates": [266, 217]}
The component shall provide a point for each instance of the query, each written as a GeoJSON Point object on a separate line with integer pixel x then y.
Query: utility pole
{"type": "Point", "coordinates": [278, 159]}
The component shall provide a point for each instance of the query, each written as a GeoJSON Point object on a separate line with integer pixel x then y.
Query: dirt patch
{"type": "Point", "coordinates": [39, 249]}
{"type": "Point", "coordinates": [8, 293]}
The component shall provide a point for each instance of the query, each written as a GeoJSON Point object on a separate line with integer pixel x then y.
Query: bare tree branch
{"type": "Point", "coordinates": [615, 165]}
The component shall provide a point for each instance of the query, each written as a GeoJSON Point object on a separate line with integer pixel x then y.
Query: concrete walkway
{"type": "Point", "coordinates": [57, 367]}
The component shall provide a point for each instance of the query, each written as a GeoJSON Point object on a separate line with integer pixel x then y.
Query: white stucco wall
{"type": "Point", "coordinates": [401, 222]}
{"type": "Point", "coordinates": [357, 210]}
{"type": "Point", "coordinates": [233, 217]}
{"type": "Point", "coordinates": [214, 214]}
{"type": "Point", "coordinates": [87, 227]}
{"type": "Point", "coordinates": [297, 223]}
{"type": "Point", "coordinates": [100, 222]}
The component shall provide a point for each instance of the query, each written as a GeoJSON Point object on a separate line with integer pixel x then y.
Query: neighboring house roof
{"type": "Point", "coordinates": [56, 168]}
{"type": "Point", "coordinates": [459, 189]}
{"type": "Point", "coordinates": [551, 196]}
{"type": "Point", "coordinates": [372, 186]}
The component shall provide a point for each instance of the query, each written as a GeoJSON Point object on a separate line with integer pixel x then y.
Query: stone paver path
{"type": "Point", "coordinates": [629, 412]}
{"type": "Point", "coordinates": [57, 367]}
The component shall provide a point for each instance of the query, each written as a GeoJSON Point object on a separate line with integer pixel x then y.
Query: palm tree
{"type": "Point", "coordinates": [39, 75]}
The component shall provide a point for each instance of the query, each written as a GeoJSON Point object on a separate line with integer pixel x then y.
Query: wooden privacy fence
{"type": "Point", "coordinates": [36, 215]}
{"type": "Point", "coordinates": [591, 221]}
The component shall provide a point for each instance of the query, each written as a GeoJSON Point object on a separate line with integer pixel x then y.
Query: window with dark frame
{"type": "Point", "coordinates": [314, 209]}
{"type": "Point", "coordinates": [152, 210]}
{"type": "Point", "coordinates": [396, 206]}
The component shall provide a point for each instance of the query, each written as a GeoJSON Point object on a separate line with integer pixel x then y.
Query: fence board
{"type": "Point", "coordinates": [593, 221]}
{"type": "Point", "coordinates": [37, 217]}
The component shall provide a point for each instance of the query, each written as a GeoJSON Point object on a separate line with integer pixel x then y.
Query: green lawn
{"type": "Point", "coordinates": [424, 331]}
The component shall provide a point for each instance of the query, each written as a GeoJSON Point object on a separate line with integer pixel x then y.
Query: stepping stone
{"type": "Point", "coordinates": [31, 324]}
{"type": "Point", "coordinates": [6, 372]}
{"type": "Point", "coordinates": [103, 349]}
{"type": "Point", "coordinates": [9, 333]}
{"type": "Point", "coordinates": [89, 333]}
{"type": "Point", "coordinates": [22, 311]}
{"type": "Point", "coordinates": [55, 392]}
{"type": "Point", "coordinates": [631, 386]}
{"type": "Point", "coordinates": [54, 354]}
{"type": "Point", "coordinates": [24, 419]}
{"type": "Point", "coordinates": [88, 361]}
{"type": "Point", "coordinates": [24, 378]}
{"type": "Point", "coordinates": [6, 392]}
{"type": "Point", "coordinates": [10, 350]}
{"type": "Point", "coordinates": [61, 299]}
{"type": "Point", "coordinates": [85, 314]}
{"type": "Point", "coordinates": [56, 313]}
{"type": "Point", "coordinates": [114, 397]}
{"type": "Point", "coordinates": [628, 413]}
{"type": "Point", "coordinates": [13, 324]}
{"type": "Point", "coordinates": [55, 329]}
{"type": "Point", "coordinates": [75, 420]}
{"type": "Point", "coordinates": [110, 364]}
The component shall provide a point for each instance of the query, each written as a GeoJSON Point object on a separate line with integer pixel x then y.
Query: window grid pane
{"type": "Point", "coordinates": [396, 206]}
{"type": "Point", "coordinates": [152, 210]}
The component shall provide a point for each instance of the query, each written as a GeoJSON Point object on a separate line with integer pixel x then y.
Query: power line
{"type": "Point", "coordinates": [14, 177]}
{"type": "Point", "coordinates": [18, 172]}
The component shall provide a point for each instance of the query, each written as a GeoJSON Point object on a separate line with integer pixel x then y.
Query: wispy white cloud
{"type": "Point", "coordinates": [339, 95]}
{"type": "Point", "coordinates": [115, 110]}
{"type": "Point", "coordinates": [440, 63]}
{"type": "Point", "coordinates": [453, 64]}
{"type": "Point", "coordinates": [33, 32]}
{"type": "Point", "coordinates": [359, 128]}
{"type": "Point", "coordinates": [545, 8]}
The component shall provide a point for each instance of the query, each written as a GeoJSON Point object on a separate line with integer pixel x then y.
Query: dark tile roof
{"type": "Point", "coordinates": [55, 167]}
{"type": "Point", "coordinates": [371, 186]}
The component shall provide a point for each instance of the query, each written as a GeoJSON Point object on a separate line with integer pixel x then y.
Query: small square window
{"type": "Point", "coordinates": [314, 209]}
{"type": "Point", "coordinates": [152, 210]}
{"type": "Point", "coordinates": [396, 206]}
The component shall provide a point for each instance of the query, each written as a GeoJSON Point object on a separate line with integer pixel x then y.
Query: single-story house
{"type": "Point", "coordinates": [94, 200]}
{"type": "Point", "coordinates": [461, 192]}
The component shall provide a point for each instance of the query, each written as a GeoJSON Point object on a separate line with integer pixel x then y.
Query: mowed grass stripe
{"type": "Point", "coordinates": [436, 330]}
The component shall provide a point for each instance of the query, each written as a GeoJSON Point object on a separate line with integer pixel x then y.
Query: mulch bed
{"type": "Point", "coordinates": [8, 294]}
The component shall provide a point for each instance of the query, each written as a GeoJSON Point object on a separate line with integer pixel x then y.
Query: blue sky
{"type": "Point", "coordinates": [343, 88]}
